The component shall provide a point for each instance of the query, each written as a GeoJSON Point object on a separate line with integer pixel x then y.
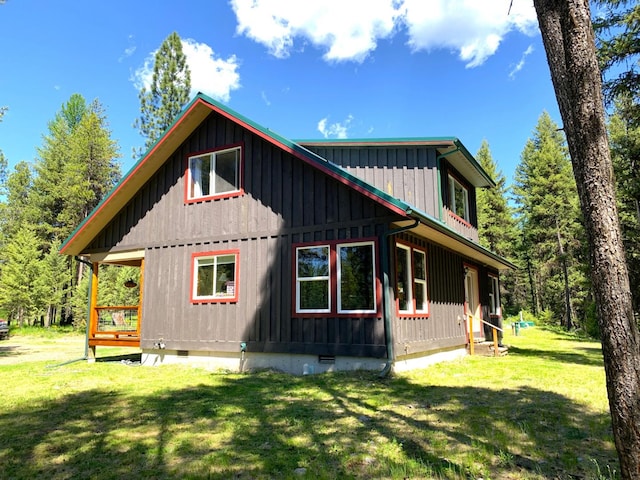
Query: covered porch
{"type": "Point", "coordinates": [115, 319]}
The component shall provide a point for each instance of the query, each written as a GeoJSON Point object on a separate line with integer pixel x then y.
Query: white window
{"type": "Point", "coordinates": [411, 280]}
{"type": "Point", "coordinates": [458, 199]}
{"type": "Point", "coordinates": [313, 294]}
{"type": "Point", "coordinates": [336, 278]}
{"type": "Point", "coordinates": [214, 174]}
{"type": "Point", "coordinates": [215, 276]}
{"type": "Point", "coordinates": [494, 296]}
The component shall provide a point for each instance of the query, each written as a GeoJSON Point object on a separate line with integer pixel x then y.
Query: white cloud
{"type": "Point", "coordinates": [473, 29]}
{"type": "Point", "coordinates": [350, 30]}
{"type": "Point", "coordinates": [211, 75]}
{"type": "Point", "coordinates": [130, 50]}
{"type": "Point", "coordinates": [335, 130]}
{"type": "Point", "coordinates": [346, 30]}
{"type": "Point", "coordinates": [521, 63]}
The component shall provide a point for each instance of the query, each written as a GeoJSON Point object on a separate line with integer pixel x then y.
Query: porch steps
{"type": "Point", "coordinates": [485, 349]}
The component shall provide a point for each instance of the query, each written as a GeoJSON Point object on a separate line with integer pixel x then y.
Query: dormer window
{"type": "Point", "coordinates": [459, 199]}
{"type": "Point", "coordinates": [214, 174]}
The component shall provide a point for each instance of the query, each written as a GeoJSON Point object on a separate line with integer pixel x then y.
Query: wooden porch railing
{"type": "Point", "coordinates": [494, 329]}
{"type": "Point", "coordinates": [115, 326]}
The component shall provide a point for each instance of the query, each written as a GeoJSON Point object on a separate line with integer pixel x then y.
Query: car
{"type": "Point", "coordinates": [4, 329]}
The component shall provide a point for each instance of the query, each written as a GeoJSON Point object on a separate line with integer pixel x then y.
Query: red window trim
{"type": "Point", "coordinates": [187, 175]}
{"type": "Point", "coordinates": [412, 247]}
{"type": "Point", "coordinates": [333, 279]}
{"type": "Point", "coordinates": [215, 253]}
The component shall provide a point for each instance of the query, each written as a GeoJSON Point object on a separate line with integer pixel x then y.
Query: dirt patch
{"type": "Point", "coordinates": [19, 349]}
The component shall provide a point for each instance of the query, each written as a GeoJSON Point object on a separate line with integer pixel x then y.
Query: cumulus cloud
{"type": "Point", "coordinates": [350, 31]}
{"type": "Point", "coordinates": [346, 30]}
{"type": "Point", "coordinates": [210, 74]}
{"type": "Point", "coordinates": [521, 63]}
{"type": "Point", "coordinates": [335, 130]}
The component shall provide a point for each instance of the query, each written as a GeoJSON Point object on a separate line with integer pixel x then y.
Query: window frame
{"type": "Point", "coordinates": [452, 183]}
{"type": "Point", "coordinates": [495, 308]}
{"type": "Point", "coordinates": [317, 278]}
{"type": "Point", "coordinates": [213, 153]}
{"type": "Point", "coordinates": [335, 272]}
{"type": "Point", "coordinates": [413, 311]}
{"type": "Point", "coordinates": [198, 256]}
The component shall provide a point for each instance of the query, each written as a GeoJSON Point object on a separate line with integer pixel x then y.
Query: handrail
{"type": "Point", "coordinates": [491, 325]}
{"type": "Point", "coordinates": [493, 331]}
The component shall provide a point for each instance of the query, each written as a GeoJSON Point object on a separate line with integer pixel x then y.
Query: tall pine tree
{"type": "Point", "coordinates": [168, 93]}
{"type": "Point", "coordinates": [624, 138]}
{"type": "Point", "coordinates": [546, 195]}
{"type": "Point", "coordinates": [497, 229]}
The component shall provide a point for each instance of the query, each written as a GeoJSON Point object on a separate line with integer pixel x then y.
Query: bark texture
{"type": "Point", "coordinates": [569, 42]}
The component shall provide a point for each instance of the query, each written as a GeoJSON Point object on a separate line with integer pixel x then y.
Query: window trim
{"type": "Point", "coordinates": [414, 312]}
{"type": "Point", "coordinates": [495, 308]}
{"type": "Point", "coordinates": [214, 152]}
{"type": "Point", "coordinates": [452, 182]}
{"type": "Point", "coordinates": [334, 280]}
{"type": "Point", "coordinates": [297, 281]}
{"type": "Point", "coordinates": [195, 257]}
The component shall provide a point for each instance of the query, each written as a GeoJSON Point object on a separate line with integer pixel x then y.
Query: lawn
{"type": "Point", "coordinates": [540, 412]}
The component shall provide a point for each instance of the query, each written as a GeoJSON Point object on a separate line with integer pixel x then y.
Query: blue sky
{"type": "Point", "coordinates": [312, 69]}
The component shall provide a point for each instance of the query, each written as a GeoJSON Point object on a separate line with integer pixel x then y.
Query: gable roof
{"type": "Point", "coordinates": [196, 112]}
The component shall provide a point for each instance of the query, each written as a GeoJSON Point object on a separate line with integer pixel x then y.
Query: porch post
{"type": "Point", "coordinates": [93, 313]}
{"type": "Point", "coordinates": [141, 289]}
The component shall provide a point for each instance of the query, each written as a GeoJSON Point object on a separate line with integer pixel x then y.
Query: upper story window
{"type": "Point", "coordinates": [494, 296]}
{"type": "Point", "coordinates": [411, 280]}
{"type": "Point", "coordinates": [336, 278]}
{"type": "Point", "coordinates": [458, 199]}
{"type": "Point", "coordinates": [214, 174]}
{"type": "Point", "coordinates": [214, 276]}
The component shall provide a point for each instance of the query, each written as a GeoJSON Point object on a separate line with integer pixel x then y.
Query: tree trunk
{"type": "Point", "coordinates": [568, 323]}
{"type": "Point", "coordinates": [568, 38]}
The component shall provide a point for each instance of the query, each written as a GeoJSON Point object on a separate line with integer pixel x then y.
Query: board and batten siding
{"type": "Point", "coordinates": [285, 201]}
{"type": "Point", "coordinates": [406, 172]}
{"type": "Point", "coordinates": [444, 326]}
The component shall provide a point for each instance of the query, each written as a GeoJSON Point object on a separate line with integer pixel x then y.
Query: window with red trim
{"type": "Point", "coordinates": [214, 174]}
{"type": "Point", "coordinates": [336, 277]}
{"type": "Point", "coordinates": [214, 276]}
{"type": "Point", "coordinates": [411, 280]}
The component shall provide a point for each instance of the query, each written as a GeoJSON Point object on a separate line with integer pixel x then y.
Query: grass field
{"type": "Point", "coordinates": [541, 412]}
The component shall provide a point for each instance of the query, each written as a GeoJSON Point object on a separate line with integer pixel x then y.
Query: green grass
{"type": "Point", "coordinates": [541, 412]}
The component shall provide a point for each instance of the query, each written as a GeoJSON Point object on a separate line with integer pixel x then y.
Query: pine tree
{"type": "Point", "coordinates": [551, 231]}
{"type": "Point", "coordinates": [568, 38]}
{"type": "Point", "coordinates": [497, 229]}
{"type": "Point", "coordinates": [617, 25]}
{"type": "Point", "coordinates": [54, 276]}
{"type": "Point", "coordinates": [168, 93]}
{"type": "Point", "coordinates": [624, 137]}
{"type": "Point", "coordinates": [21, 288]}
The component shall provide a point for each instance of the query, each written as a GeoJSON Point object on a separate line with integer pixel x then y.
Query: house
{"type": "Point", "coordinates": [255, 251]}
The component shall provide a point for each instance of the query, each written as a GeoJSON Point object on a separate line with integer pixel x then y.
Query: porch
{"type": "Point", "coordinates": [115, 325]}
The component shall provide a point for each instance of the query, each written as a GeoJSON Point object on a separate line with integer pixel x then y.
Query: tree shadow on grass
{"type": "Point", "coordinates": [581, 356]}
{"type": "Point", "coordinates": [332, 426]}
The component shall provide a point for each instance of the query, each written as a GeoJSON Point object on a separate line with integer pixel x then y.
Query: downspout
{"type": "Point", "coordinates": [439, 168]}
{"type": "Point", "coordinates": [86, 340]}
{"type": "Point", "coordinates": [386, 297]}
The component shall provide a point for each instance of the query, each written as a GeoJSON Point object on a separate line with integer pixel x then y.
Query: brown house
{"type": "Point", "coordinates": [255, 251]}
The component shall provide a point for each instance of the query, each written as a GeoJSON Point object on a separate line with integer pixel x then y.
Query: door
{"type": "Point", "coordinates": [472, 300]}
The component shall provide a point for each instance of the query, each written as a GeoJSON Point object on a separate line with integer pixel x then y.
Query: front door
{"type": "Point", "coordinates": [472, 300]}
